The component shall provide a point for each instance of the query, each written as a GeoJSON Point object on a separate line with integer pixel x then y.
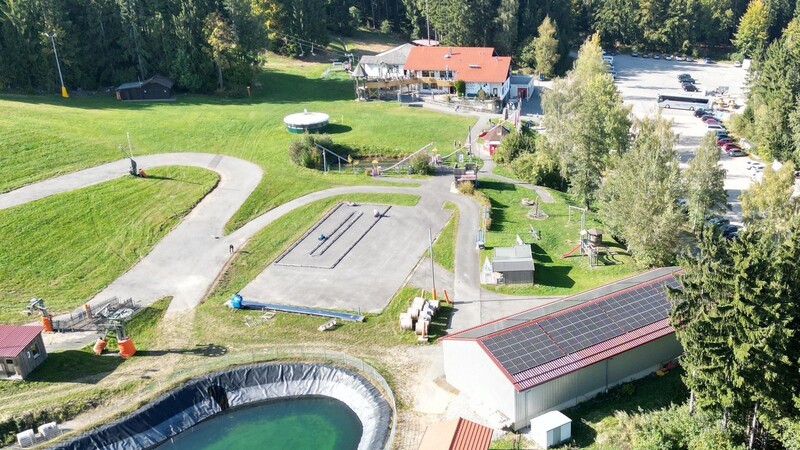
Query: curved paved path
{"type": "Point", "coordinates": [187, 261]}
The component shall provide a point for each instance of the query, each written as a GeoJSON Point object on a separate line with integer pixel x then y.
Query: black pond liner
{"type": "Point", "coordinates": [203, 397]}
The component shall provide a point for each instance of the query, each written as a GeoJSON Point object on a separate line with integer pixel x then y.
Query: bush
{"type": "Point", "coordinates": [466, 188]}
{"type": "Point", "coordinates": [420, 163]}
{"type": "Point", "coordinates": [386, 27]}
{"type": "Point", "coordinates": [461, 87]}
{"type": "Point", "coordinates": [305, 153]}
{"type": "Point", "coordinates": [514, 145]}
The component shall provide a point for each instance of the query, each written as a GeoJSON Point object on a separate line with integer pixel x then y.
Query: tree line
{"type": "Point", "coordinates": [204, 43]}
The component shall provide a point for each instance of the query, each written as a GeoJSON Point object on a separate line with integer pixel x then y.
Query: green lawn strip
{"type": "Point", "coordinates": [444, 249]}
{"type": "Point", "coordinates": [554, 275]}
{"type": "Point", "coordinates": [595, 418]}
{"type": "Point", "coordinates": [67, 247]}
{"type": "Point", "coordinates": [41, 137]}
{"type": "Point", "coordinates": [504, 170]}
{"type": "Point", "coordinates": [214, 319]}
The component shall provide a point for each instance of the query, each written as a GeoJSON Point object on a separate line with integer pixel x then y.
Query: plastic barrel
{"type": "Point", "coordinates": [47, 323]}
{"type": "Point", "coordinates": [126, 348]}
{"type": "Point", "coordinates": [99, 346]}
{"type": "Point", "coordinates": [236, 301]}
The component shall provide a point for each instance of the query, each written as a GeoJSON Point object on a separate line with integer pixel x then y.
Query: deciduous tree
{"type": "Point", "coordinates": [751, 36]}
{"type": "Point", "coordinates": [704, 181]}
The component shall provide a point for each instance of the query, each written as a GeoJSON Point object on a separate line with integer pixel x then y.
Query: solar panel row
{"type": "Point", "coordinates": [552, 338]}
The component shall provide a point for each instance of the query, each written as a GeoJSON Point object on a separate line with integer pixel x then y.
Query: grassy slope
{"type": "Point", "coordinates": [41, 137]}
{"type": "Point", "coordinates": [554, 275]}
{"type": "Point", "coordinates": [444, 249]}
{"type": "Point", "coordinates": [69, 246]}
{"type": "Point", "coordinates": [214, 320]}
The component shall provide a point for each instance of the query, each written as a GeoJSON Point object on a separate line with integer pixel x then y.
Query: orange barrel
{"type": "Point", "coordinates": [126, 348]}
{"type": "Point", "coordinates": [47, 323]}
{"type": "Point", "coordinates": [99, 346]}
{"type": "Point", "coordinates": [88, 310]}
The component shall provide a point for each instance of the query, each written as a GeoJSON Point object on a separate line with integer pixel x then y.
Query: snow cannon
{"type": "Point", "coordinates": [236, 301]}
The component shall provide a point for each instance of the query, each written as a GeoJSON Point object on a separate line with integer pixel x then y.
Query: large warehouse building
{"type": "Point", "coordinates": [557, 356]}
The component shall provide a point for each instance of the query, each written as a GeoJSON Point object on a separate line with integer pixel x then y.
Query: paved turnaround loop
{"type": "Point", "coordinates": [187, 261]}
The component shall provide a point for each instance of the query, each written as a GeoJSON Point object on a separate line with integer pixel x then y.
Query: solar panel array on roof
{"type": "Point", "coordinates": [556, 336]}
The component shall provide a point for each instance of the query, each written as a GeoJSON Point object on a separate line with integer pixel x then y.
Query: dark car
{"type": "Point", "coordinates": [729, 231]}
{"type": "Point", "coordinates": [736, 152]}
{"type": "Point", "coordinates": [718, 221]}
{"type": "Point", "coordinates": [685, 77]}
{"type": "Point", "coordinates": [708, 61]}
{"type": "Point", "coordinates": [721, 133]}
{"type": "Point", "coordinates": [690, 88]}
{"type": "Point", "coordinates": [634, 54]}
{"type": "Point", "coordinates": [645, 55]}
{"type": "Point", "coordinates": [700, 112]}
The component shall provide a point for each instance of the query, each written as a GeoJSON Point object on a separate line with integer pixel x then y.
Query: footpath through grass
{"type": "Point", "coordinates": [554, 275]}
{"type": "Point", "coordinates": [41, 137]}
{"type": "Point", "coordinates": [67, 247]}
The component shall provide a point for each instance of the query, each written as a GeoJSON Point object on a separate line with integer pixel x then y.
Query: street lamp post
{"type": "Point", "coordinates": [52, 37]}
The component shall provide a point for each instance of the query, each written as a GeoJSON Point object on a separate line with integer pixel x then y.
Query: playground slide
{"type": "Point", "coordinates": [569, 253]}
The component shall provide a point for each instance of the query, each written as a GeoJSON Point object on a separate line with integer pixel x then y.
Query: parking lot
{"type": "Point", "coordinates": [640, 81]}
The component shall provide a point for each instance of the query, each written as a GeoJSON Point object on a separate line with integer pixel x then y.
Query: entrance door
{"type": "Point", "coordinates": [522, 93]}
{"type": "Point", "coordinates": [11, 370]}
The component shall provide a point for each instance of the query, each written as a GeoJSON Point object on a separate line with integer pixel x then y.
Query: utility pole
{"type": "Point", "coordinates": [433, 276]}
{"type": "Point", "coordinates": [52, 37]}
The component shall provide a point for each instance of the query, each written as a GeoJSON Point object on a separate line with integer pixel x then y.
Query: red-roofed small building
{"type": "Point", "coordinates": [480, 68]}
{"type": "Point", "coordinates": [456, 434]}
{"type": "Point", "coordinates": [558, 355]}
{"type": "Point", "coordinates": [21, 350]}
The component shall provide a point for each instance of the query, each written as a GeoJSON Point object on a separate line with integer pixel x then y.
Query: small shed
{"type": "Point", "coordinates": [521, 87]}
{"type": "Point", "coordinates": [514, 264]}
{"type": "Point", "coordinates": [156, 87]}
{"type": "Point", "coordinates": [493, 138]}
{"type": "Point", "coordinates": [551, 429]}
{"type": "Point", "coordinates": [21, 350]}
{"type": "Point", "coordinates": [456, 434]}
{"type": "Point", "coordinates": [468, 174]}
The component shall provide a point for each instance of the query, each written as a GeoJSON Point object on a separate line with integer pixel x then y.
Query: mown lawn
{"type": "Point", "coordinates": [554, 275]}
{"type": "Point", "coordinates": [444, 249]}
{"type": "Point", "coordinates": [41, 137]}
{"type": "Point", "coordinates": [67, 247]}
{"type": "Point", "coordinates": [213, 319]}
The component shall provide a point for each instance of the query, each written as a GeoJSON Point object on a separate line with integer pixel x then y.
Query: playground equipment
{"type": "Point", "coordinates": [238, 302]}
{"type": "Point", "coordinates": [37, 305]}
{"type": "Point", "coordinates": [115, 323]}
{"type": "Point", "coordinates": [590, 245]}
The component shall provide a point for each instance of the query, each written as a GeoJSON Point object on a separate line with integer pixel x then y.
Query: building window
{"type": "Point", "coordinates": [35, 350]}
{"type": "Point", "coordinates": [427, 73]}
{"type": "Point", "coordinates": [494, 92]}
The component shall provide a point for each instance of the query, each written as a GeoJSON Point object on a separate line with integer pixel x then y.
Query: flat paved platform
{"type": "Point", "coordinates": [374, 259]}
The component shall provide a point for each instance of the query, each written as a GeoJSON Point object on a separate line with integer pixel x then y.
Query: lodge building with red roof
{"type": "Point", "coordinates": [437, 69]}
{"type": "Point", "coordinates": [558, 355]}
{"type": "Point", "coordinates": [21, 350]}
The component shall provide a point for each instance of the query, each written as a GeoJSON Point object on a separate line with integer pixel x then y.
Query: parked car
{"type": "Point", "coordinates": [668, 57]}
{"type": "Point", "coordinates": [756, 167]}
{"type": "Point", "coordinates": [729, 231]}
{"type": "Point", "coordinates": [690, 88]}
{"type": "Point", "coordinates": [721, 133]}
{"type": "Point", "coordinates": [690, 59]}
{"type": "Point", "coordinates": [737, 64]}
{"type": "Point", "coordinates": [656, 56]}
{"type": "Point", "coordinates": [715, 126]}
{"type": "Point", "coordinates": [709, 115]}
{"type": "Point", "coordinates": [634, 54]}
{"type": "Point", "coordinates": [700, 112]}
{"type": "Point", "coordinates": [645, 55]}
{"type": "Point", "coordinates": [730, 146]}
{"type": "Point", "coordinates": [708, 60]}
{"type": "Point", "coordinates": [724, 140]}
{"type": "Point", "coordinates": [711, 119]}
{"type": "Point", "coordinates": [736, 152]}
{"type": "Point", "coordinates": [688, 79]}
{"type": "Point", "coordinates": [718, 221]}
{"type": "Point", "coordinates": [680, 58]}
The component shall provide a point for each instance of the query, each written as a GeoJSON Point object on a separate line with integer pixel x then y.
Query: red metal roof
{"type": "Point", "coordinates": [14, 339]}
{"type": "Point", "coordinates": [474, 64]}
{"type": "Point", "coordinates": [456, 434]}
{"type": "Point", "coordinates": [471, 436]}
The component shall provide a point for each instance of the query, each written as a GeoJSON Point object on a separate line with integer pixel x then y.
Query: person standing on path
{"type": "Point", "coordinates": [230, 249]}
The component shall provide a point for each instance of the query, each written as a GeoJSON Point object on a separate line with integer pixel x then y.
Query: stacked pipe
{"type": "Point", "coordinates": [419, 315]}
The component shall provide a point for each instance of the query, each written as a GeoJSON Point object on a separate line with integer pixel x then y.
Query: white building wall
{"type": "Point", "coordinates": [470, 370]}
{"type": "Point", "coordinates": [581, 385]}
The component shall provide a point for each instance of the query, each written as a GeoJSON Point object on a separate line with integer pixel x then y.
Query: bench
{"type": "Point", "coordinates": [327, 325]}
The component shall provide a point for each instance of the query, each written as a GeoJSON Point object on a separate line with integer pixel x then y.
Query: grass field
{"type": "Point", "coordinates": [67, 247]}
{"type": "Point", "coordinates": [444, 249]}
{"type": "Point", "coordinates": [41, 137]}
{"type": "Point", "coordinates": [554, 275]}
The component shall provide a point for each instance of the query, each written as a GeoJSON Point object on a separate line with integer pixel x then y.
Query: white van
{"type": "Point", "coordinates": [608, 59]}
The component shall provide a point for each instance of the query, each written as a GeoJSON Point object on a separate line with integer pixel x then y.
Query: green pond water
{"type": "Point", "coordinates": [317, 423]}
